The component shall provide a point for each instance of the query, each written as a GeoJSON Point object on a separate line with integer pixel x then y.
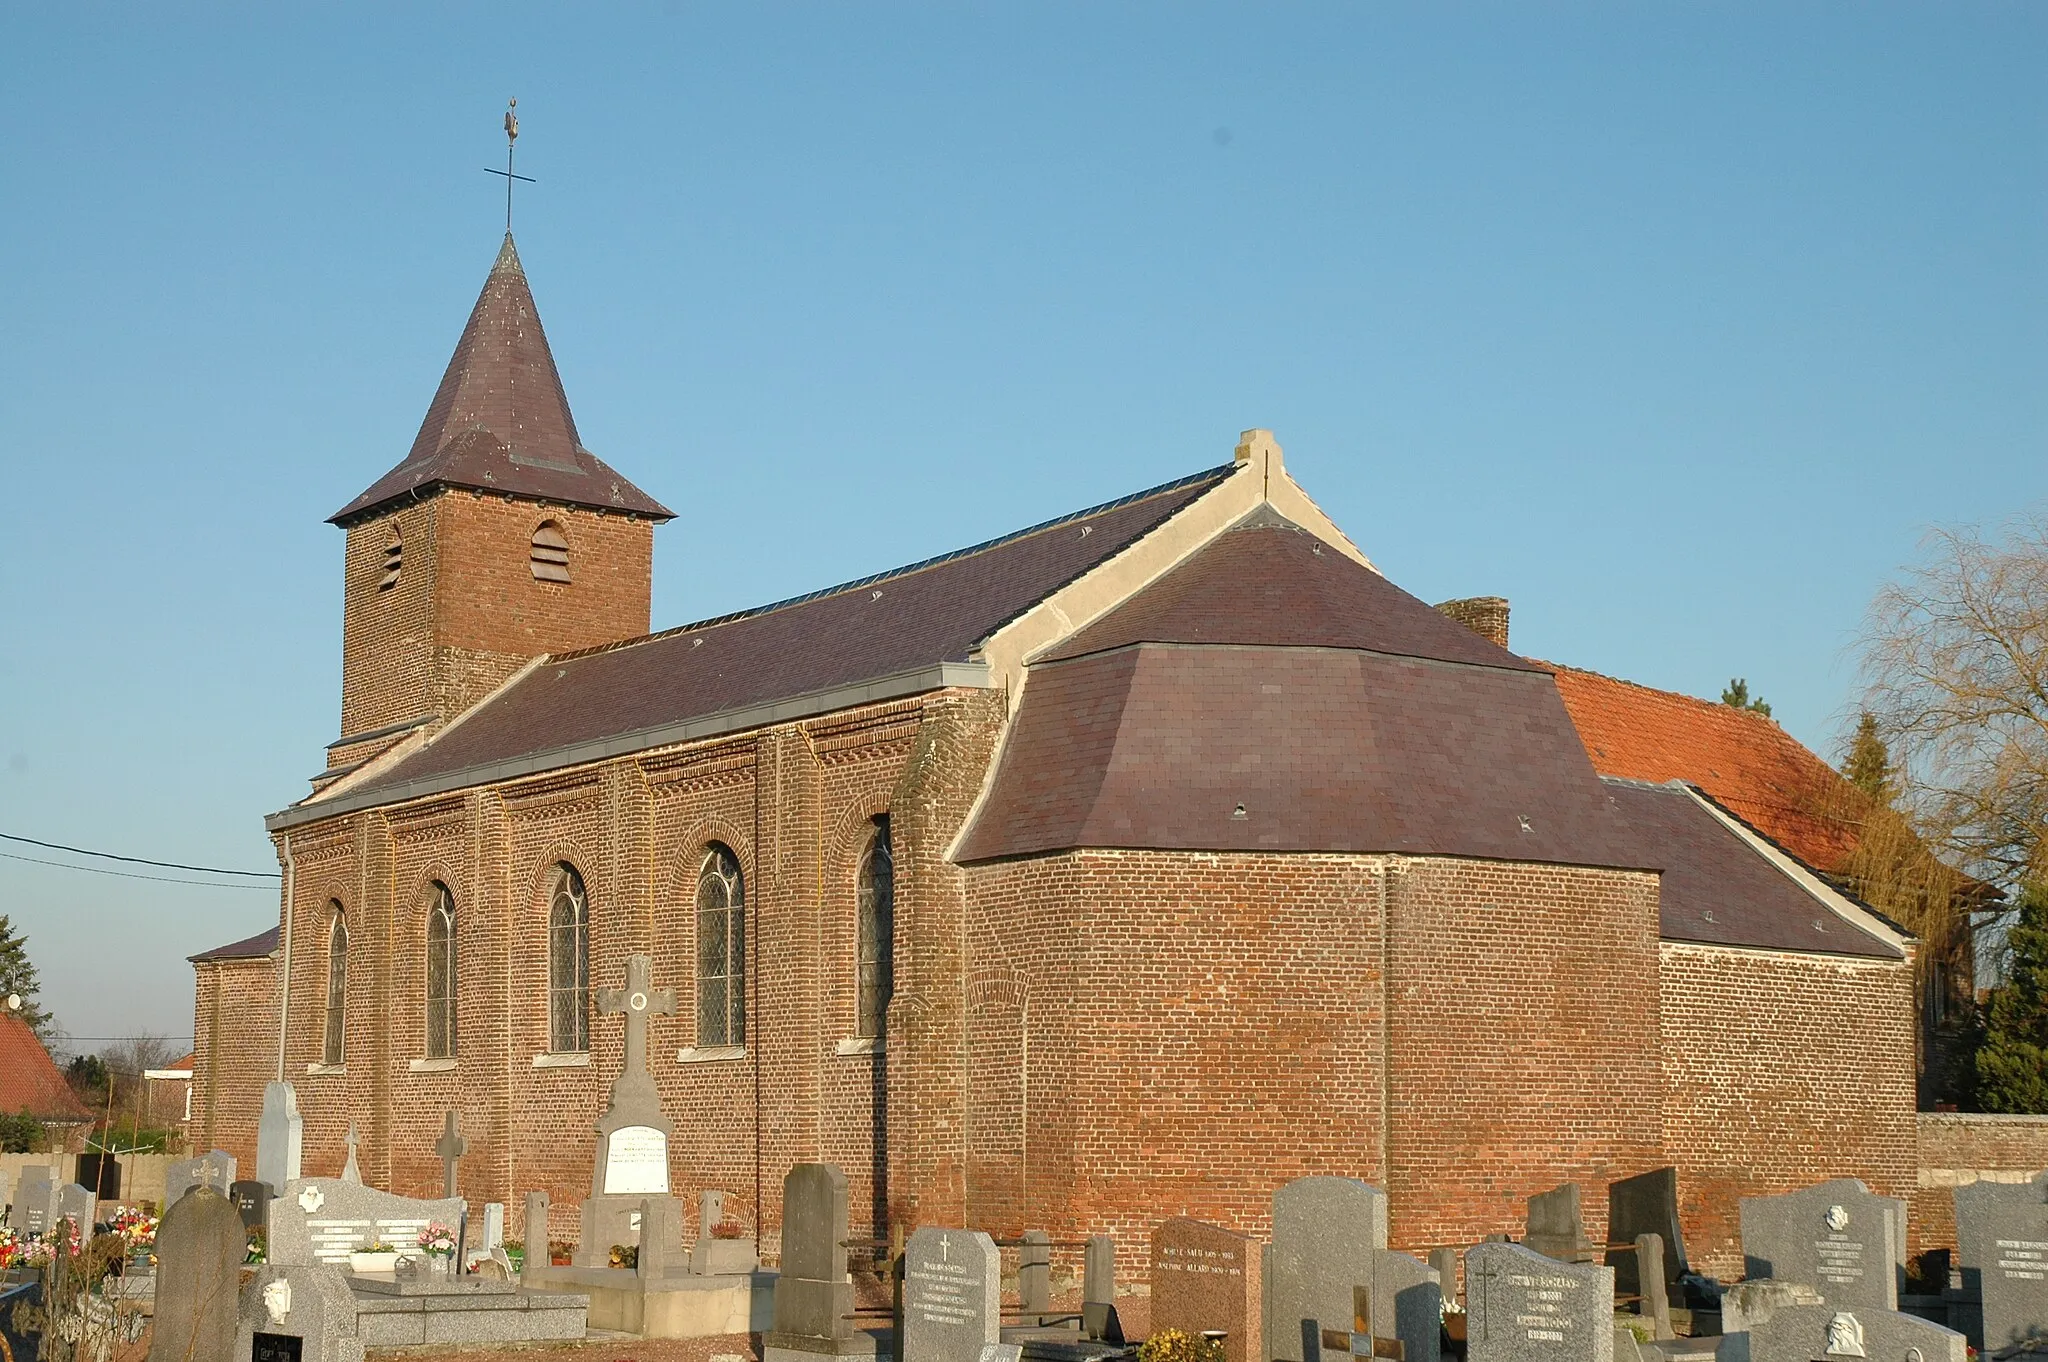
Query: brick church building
{"type": "Point", "coordinates": [1123, 867]}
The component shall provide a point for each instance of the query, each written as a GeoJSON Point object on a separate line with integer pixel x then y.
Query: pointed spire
{"type": "Point", "coordinates": [500, 421]}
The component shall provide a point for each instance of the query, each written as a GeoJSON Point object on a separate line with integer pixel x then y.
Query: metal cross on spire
{"type": "Point", "coordinates": [511, 138]}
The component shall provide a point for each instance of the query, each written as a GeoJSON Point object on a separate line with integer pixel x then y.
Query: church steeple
{"type": "Point", "coordinates": [500, 421]}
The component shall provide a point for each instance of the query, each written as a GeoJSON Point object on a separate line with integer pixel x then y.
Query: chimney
{"type": "Point", "coordinates": [1486, 616]}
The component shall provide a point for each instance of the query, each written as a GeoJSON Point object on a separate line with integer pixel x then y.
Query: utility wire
{"type": "Point", "coordinates": [134, 860]}
{"type": "Point", "coordinates": [129, 874]}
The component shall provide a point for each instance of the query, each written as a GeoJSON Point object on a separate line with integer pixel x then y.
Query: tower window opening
{"type": "Point", "coordinates": [550, 553]}
{"type": "Point", "coordinates": [394, 563]}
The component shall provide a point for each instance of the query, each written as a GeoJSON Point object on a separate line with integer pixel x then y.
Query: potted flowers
{"type": "Point", "coordinates": [376, 1257]}
{"type": "Point", "coordinates": [437, 1241]}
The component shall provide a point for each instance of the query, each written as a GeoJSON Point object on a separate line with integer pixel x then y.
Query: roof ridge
{"type": "Point", "coordinates": [1712, 706]}
{"type": "Point", "coordinates": [906, 570]}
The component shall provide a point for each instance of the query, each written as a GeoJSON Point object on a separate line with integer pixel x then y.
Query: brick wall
{"type": "Point", "coordinates": [1780, 1070]}
{"type": "Point", "coordinates": [1957, 1149]}
{"type": "Point", "coordinates": [234, 1053]}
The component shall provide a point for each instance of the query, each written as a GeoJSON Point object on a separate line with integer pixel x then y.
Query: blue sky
{"type": "Point", "coordinates": [1675, 324]}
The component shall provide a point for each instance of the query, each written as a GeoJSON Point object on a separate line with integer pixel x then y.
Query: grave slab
{"type": "Point", "coordinates": [1821, 1333]}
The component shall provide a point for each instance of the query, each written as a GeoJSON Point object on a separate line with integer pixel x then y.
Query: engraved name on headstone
{"type": "Point", "coordinates": [1835, 1236]}
{"type": "Point", "coordinates": [1206, 1278]}
{"type": "Point", "coordinates": [950, 1295]}
{"type": "Point", "coordinates": [1522, 1305]}
{"type": "Point", "coordinates": [2002, 1242]}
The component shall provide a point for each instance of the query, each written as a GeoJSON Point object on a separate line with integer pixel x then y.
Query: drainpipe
{"type": "Point", "coordinates": [284, 997]}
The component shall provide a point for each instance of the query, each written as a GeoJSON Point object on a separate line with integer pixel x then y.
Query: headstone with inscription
{"type": "Point", "coordinates": [35, 1201]}
{"type": "Point", "coordinates": [1836, 1237]}
{"type": "Point", "coordinates": [1521, 1305]}
{"type": "Point", "coordinates": [951, 1295]}
{"type": "Point", "coordinates": [1327, 1236]}
{"type": "Point", "coordinates": [1557, 1226]}
{"type": "Point", "coordinates": [280, 1136]}
{"type": "Point", "coordinates": [215, 1169]}
{"type": "Point", "coordinates": [78, 1204]}
{"type": "Point", "coordinates": [252, 1202]}
{"type": "Point", "coordinates": [1206, 1278]}
{"type": "Point", "coordinates": [814, 1293]}
{"type": "Point", "coordinates": [200, 1244]}
{"type": "Point", "coordinates": [1644, 1204]}
{"type": "Point", "coordinates": [632, 1135]}
{"type": "Point", "coordinates": [1821, 1333]}
{"type": "Point", "coordinates": [294, 1312]}
{"type": "Point", "coordinates": [2002, 1242]}
{"type": "Point", "coordinates": [324, 1220]}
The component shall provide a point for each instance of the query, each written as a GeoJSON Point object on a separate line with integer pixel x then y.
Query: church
{"type": "Point", "coordinates": [1123, 867]}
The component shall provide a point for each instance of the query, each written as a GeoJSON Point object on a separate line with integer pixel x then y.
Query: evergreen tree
{"type": "Point", "coordinates": [1869, 767]}
{"type": "Point", "coordinates": [18, 976]}
{"type": "Point", "coordinates": [2012, 1066]}
{"type": "Point", "coordinates": [1737, 696]}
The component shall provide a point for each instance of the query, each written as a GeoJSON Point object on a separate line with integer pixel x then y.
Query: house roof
{"type": "Point", "coordinates": [500, 421]}
{"type": "Point", "coordinates": [1268, 694]}
{"type": "Point", "coordinates": [846, 641]}
{"type": "Point", "coordinates": [256, 947]}
{"type": "Point", "coordinates": [29, 1081]}
{"type": "Point", "coordinates": [1720, 888]}
{"type": "Point", "coordinates": [1745, 761]}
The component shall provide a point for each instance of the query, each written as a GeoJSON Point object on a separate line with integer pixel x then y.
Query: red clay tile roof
{"type": "Point", "coordinates": [1719, 889]}
{"type": "Point", "coordinates": [29, 1080]}
{"type": "Point", "coordinates": [248, 948]}
{"type": "Point", "coordinates": [500, 421]}
{"type": "Point", "coordinates": [1269, 672]}
{"type": "Point", "coordinates": [1747, 763]}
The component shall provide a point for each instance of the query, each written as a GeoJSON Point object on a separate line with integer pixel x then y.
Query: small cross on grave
{"type": "Point", "coordinates": [451, 1147]}
{"type": "Point", "coordinates": [1359, 1342]}
{"type": "Point", "coordinates": [637, 1000]}
{"type": "Point", "coordinates": [352, 1171]}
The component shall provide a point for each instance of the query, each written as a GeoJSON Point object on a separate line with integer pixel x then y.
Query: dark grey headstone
{"type": "Point", "coordinates": [2002, 1242]}
{"type": "Point", "coordinates": [813, 1293]}
{"type": "Point", "coordinates": [1327, 1236]}
{"type": "Point", "coordinates": [951, 1300]}
{"type": "Point", "coordinates": [35, 1201]}
{"type": "Point", "coordinates": [252, 1201]}
{"type": "Point", "coordinates": [1557, 1226]}
{"type": "Point", "coordinates": [1804, 1333]}
{"type": "Point", "coordinates": [1644, 1204]}
{"type": "Point", "coordinates": [1835, 1236]}
{"type": "Point", "coordinates": [101, 1173]}
{"type": "Point", "coordinates": [1521, 1305]}
{"type": "Point", "coordinates": [1408, 1304]}
{"type": "Point", "coordinates": [200, 1244]}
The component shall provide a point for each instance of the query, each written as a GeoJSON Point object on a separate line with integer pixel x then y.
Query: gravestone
{"type": "Point", "coordinates": [659, 1236]}
{"type": "Point", "coordinates": [1654, 1303]}
{"type": "Point", "coordinates": [35, 1201]}
{"type": "Point", "coordinates": [1445, 1261]}
{"type": "Point", "coordinates": [450, 1148]}
{"type": "Point", "coordinates": [1744, 1305]}
{"type": "Point", "coordinates": [293, 1312]}
{"type": "Point", "coordinates": [1327, 1236]}
{"type": "Point", "coordinates": [323, 1220]}
{"type": "Point", "coordinates": [1520, 1305]}
{"type": "Point", "coordinates": [1819, 1333]}
{"type": "Point", "coordinates": [632, 1135]}
{"type": "Point", "coordinates": [101, 1174]}
{"type": "Point", "coordinates": [351, 1170]}
{"type": "Point", "coordinates": [1835, 1236]}
{"type": "Point", "coordinates": [1644, 1204]}
{"type": "Point", "coordinates": [2002, 1242]}
{"type": "Point", "coordinates": [215, 1169]}
{"type": "Point", "coordinates": [280, 1136]}
{"type": "Point", "coordinates": [536, 1257]}
{"type": "Point", "coordinates": [814, 1294]}
{"type": "Point", "coordinates": [1099, 1321]}
{"type": "Point", "coordinates": [78, 1205]}
{"type": "Point", "coordinates": [491, 1232]}
{"type": "Point", "coordinates": [252, 1202]}
{"type": "Point", "coordinates": [711, 1256]}
{"type": "Point", "coordinates": [1557, 1226]}
{"type": "Point", "coordinates": [951, 1300]}
{"type": "Point", "coordinates": [1034, 1277]}
{"type": "Point", "coordinates": [1408, 1305]}
{"type": "Point", "coordinates": [200, 1244]}
{"type": "Point", "coordinates": [1206, 1278]}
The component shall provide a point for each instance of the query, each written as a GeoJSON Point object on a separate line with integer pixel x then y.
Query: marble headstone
{"type": "Point", "coordinates": [951, 1300]}
{"type": "Point", "coordinates": [77, 1203]}
{"type": "Point", "coordinates": [2002, 1242]}
{"type": "Point", "coordinates": [280, 1136]}
{"type": "Point", "coordinates": [323, 1220]}
{"type": "Point", "coordinates": [1820, 1333]}
{"type": "Point", "coordinates": [200, 1244]}
{"type": "Point", "coordinates": [488, 1232]}
{"type": "Point", "coordinates": [35, 1201]}
{"type": "Point", "coordinates": [1521, 1305]}
{"type": "Point", "coordinates": [1327, 1235]}
{"type": "Point", "coordinates": [1835, 1236]}
{"type": "Point", "coordinates": [1644, 1204]}
{"type": "Point", "coordinates": [813, 1293]}
{"type": "Point", "coordinates": [1206, 1278]}
{"type": "Point", "coordinates": [215, 1169]}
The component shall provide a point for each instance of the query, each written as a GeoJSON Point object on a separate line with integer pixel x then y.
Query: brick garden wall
{"type": "Point", "coordinates": [1957, 1149]}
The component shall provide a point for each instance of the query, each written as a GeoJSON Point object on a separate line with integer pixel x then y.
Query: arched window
{"type": "Point", "coordinates": [875, 957]}
{"type": "Point", "coordinates": [550, 553]}
{"type": "Point", "coordinates": [568, 963]}
{"type": "Point", "coordinates": [337, 986]}
{"type": "Point", "coordinates": [441, 973]}
{"type": "Point", "coordinates": [721, 950]}
{"type": "Point", "coordinates": [394, 560]}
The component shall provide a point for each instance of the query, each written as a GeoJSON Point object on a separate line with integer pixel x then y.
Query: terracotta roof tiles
{"type": "Point", "coordinates": [29, 1079]}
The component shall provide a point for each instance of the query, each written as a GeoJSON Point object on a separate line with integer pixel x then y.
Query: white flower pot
{"type": "Point", "coordinates": [373, 1262]}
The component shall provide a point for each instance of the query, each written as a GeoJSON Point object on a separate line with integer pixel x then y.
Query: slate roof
{"type": "Point", "coordinates": [1745, 761]}
{"type": "Point", "coordinates": [248, 948]}
{"type": "Point", "coordinates": [29, 1081]}
{"type": "Point", "coordinates": [933, 612]}
{"type": "Point", "coordinates": [1271, 673]}
{"type": "Point", "coordinates": [500, 421]}
{"type": "Point", "coordinates": [1719, 889]}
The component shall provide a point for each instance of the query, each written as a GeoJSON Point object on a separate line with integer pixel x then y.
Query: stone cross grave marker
{"type": "Point", "coordinates": [450, 1147]}
{"type": "Point", "coordinates": [636, 1001]}
{"type": "Point", "coordinates": [1206, 1279]}
{"type": "Point", "coordinates": [2002, 1241]}
{"type": "Point", "coordinates": [1644, 1204]}
{"type": "Point", "coordinates": [951, 1300]}
{"type": "Point", "coordinates": [280, 1136]}
{"type": "Point", "coordinates": [215, 1169]}
{"type": "Point", "coordinates": [200, 1244]}
{"type": "Point", "coordinates": [632, 1135]}
{"type": "Point", "coordinates": [1327, 1235]}
{"type": "Point", "coordinates": [1522, 1305]}
{"type": "Point", "coordinates": [352, 1171]}
{"type": "Point", "coordinates": [1834, 1236]}
{"type": "Point", "coordinates": [814, 1294]}
{"type": "Point", "coordinates": [1824, 1333]}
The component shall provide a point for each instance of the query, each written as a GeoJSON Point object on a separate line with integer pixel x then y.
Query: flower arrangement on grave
{"type": "Point", "coordinates": [259, 1248]}
{"type": "Point", "coordinates": [438, 1240]}
{"type": "Point", "coordinates": [729, 1228]}
{"type": "Point", "coordinates": [378, 1247]}
{"type": "Point", "coordinates": [135, 1225]}
{"type": "Point", "coordinates": [1178, 1345]}
{"type": "Point", "coordinates": [625, 1255]}
{"type": "Point", "coordinates": [11, 1248]}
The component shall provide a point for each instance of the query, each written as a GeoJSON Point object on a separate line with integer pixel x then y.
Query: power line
{"type": "Point", "coordinates": [135, 860]}
{"type": "Point", "coordinates": [129, 874]}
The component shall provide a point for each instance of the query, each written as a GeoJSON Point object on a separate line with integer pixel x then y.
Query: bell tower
{"type": "Point", "coordinates": [499, 537]}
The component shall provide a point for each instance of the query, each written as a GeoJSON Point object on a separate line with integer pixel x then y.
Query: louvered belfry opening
{"type": "Point", "coordinates": [394, 563]}
{"type": "Point", "coordinates": [550, 553]}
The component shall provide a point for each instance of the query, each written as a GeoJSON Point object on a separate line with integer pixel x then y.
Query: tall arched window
{"type": "Point", "coordinates": [721, 950]}
{"type": "Point", "coordinates": [550, 559]}
{"type": "Point", "coordinates": [568, 963]}
{"type": "Point", "coordinates": [337, 986]}
{"type": "Point", "coordinates": [875, 957]}
{"type": "Point", "coordinates": [440, 973]}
